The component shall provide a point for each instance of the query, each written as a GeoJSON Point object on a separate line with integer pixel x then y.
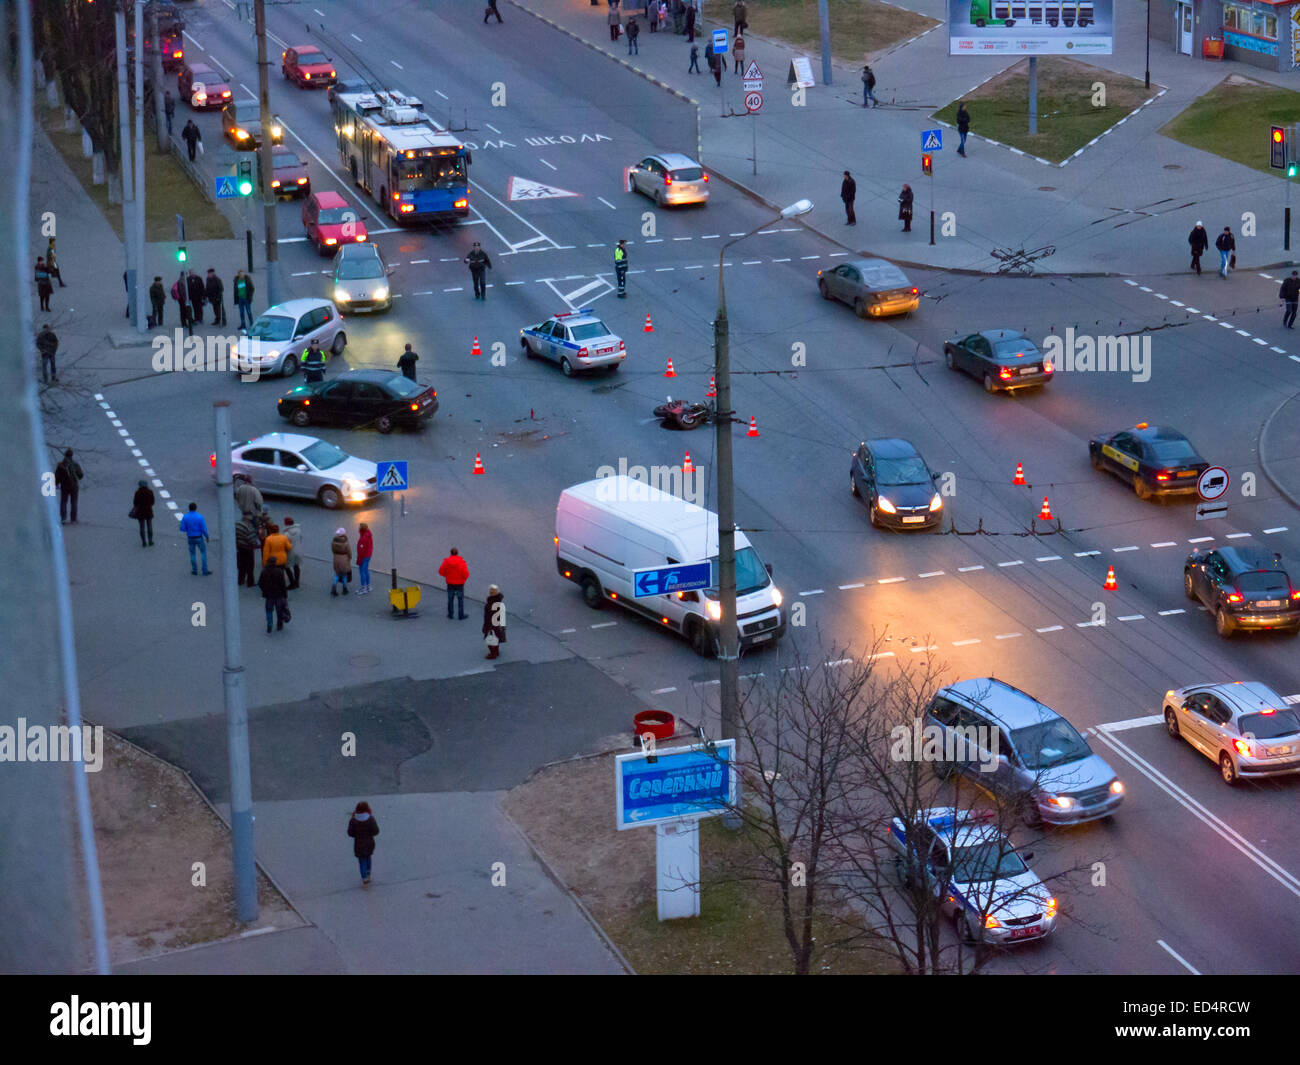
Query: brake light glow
{"type": "Point", "coordinates": [1163, 475]}
{"type": "Point", "coordinates": [361, 236]}
{"type": "Point", "coordinates": [330, 240]}
{"type": "Point", "coordinates": [582, 353]}
{"type": "Point", "coordinates": [415, 406]}
{"type": "Point", "coordinates": [302, 181]}
{"type": "Point", "coordinates": [1048, 367]}
{"type": "Point", "coordinates": [1004, 373]}
{"type": "Point", "coordinates": [306, 75]}
{"type": "Point", "coordinates": [213, 459]}
{"type": "Point", "coordinates": [668, 179]}
{"type": "Point", "coordinates": [1142, 425]}
{"type": "Point", "coordinates": [1295, 593]}
{"type": "Point", "coordinates": [1234, 597]}
{"type": "Point", "coordinates": [623, 347]}
{"type": "Point", "coordinates": [461, 203]}
{"type": "Point", "coordinates": [406, 208]}
{"type": "Point", "coordinates": [915, 291]}
{"type": "Point", "coordinates": [1241, 747]}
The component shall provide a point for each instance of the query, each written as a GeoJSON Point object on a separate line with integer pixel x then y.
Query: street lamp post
{"type": "Point", "coordinates": [1148, 81]}
{"type": "Point", "coordinates": [728, 628]}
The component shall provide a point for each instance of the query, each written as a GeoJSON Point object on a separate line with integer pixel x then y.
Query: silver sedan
{"type": "Point", "coordinates": [290, 464]}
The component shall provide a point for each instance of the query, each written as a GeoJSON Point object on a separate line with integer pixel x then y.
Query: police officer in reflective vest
{"type": "Point", "coordinates": [620, 268]}
{"type": "Point", "coordinates": [313, 362]}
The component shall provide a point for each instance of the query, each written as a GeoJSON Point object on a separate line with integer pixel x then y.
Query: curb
{"type": "Point", "coordinates": [1263, 462]}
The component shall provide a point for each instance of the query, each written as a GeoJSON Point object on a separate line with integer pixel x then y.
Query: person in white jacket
{"type": "Point", "coordinates": [294, 564]}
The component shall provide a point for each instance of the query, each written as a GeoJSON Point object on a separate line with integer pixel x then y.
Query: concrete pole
{"type": "Point", "coordinates": [141, 303]}
{"type": "Point", "coordinates": [159, 88]}
{"type": "Point", "coordinates": [824, 20]}
{"type": "Point", "coordinates": [1033, 94]}
{"type": "Point", "coordinates": [232, 680]}
{"type": "Point", "coordinates": [728, 632]}
{"type": "Point", "coordinates": [124, 156]}
{"type": "Point", "coordinates": [264, 158]}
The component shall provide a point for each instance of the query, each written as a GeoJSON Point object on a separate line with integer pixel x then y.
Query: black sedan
{"type": "Point", "coordinates": [1156, 460]}
{"type": "Point", "coordinates": [380, 399]}
{"type": "Point", "coordinates": [892, 478]}
{"type": "Point", "coordinates": [1002, 358]}
{"type": "Point", "coordinates": [1244, 588]}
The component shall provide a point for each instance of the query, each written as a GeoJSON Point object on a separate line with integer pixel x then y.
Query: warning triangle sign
{"type": "Point", "coordinates": [393, 478]}
{"type": "Point", "coordinates": [752, 73]}
{"type": "Point", "coordinates": [524, 189]}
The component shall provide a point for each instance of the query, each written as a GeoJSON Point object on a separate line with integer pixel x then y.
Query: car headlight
{"type": "Point", "coordinates": [714, 609]}
{"type": "Point", "coordinates": [341, 295]}
{"type": "Point", "coordinates": [937, 502]}
{"type": "Point", "coordinates": [381, 292]}
{"type": "Point", "coordinates": [776, 595]}
{"type": "Point", "coordinates": [885, 505]}
{"type": "Point", "coordinates": [1116, 787]}
{"type": "Point", "coordinates": [1061, 802]}
{"type": "Point", "coordinates": [1051, 907]}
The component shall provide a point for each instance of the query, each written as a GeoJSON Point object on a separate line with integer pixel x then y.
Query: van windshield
{"type": "Point", "coordinates": [751, 574]}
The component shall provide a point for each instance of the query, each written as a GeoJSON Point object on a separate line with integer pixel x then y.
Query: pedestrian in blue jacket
{"type": "Point", "coordinates": [196, 534]}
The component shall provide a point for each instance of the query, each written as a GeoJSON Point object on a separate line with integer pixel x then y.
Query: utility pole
{"type": "Point", "coordinates": [140, 304]}
{"type": "Point", "coordinates": [264, 158]}
{"type": "Point", "coordinates": [160, 114]}
{"type": "Point", "coordinates": [824, 20]}
{"type": "Point", "coordinates": [1148, 73]}
{"type": "Point", "coordinates": [124, 156]}
{"type": "Point", "coordinates": [1033, 95]}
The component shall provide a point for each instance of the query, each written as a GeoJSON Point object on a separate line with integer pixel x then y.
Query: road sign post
{"type": "Point", "coordinates": [752, 82]}
{"type": "Point", "coordinates": [931, 141]}
{"type": "Point", "coordinates": [392, 477]}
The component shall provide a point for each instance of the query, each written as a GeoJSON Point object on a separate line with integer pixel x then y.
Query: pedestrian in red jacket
{"type": "Point", "coordinates": [455, 571]}
{"type": "Point", "coordinates": [365, 548]}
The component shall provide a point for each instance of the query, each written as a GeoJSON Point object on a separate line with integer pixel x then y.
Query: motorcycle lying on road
{"type": "Point", "coordinates": [683, 414]}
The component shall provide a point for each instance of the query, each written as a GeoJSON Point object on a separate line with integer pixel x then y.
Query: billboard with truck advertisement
{"type": "Point", "coordinates": [1031, 27]}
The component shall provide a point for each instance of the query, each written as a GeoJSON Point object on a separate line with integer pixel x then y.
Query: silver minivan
{"type": "Point", "coordinates": [1023, 751]}
{"type": "Point", "coordinates": [281, 335]}
{"type": "Point", "coordinates": [670, 179]}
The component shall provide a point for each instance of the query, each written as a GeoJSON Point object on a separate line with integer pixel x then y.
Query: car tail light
{"type": "Point", "coordinates": [461, 203]}
{"type": "Point", "coordinates": [177, 55]}
{"type": "Point", "coordinates": [706, 179]}
{"type": "Point", "coordinates": [397, 196]}
{"type": "Point", "coordinates": [306, 403]}
{"type": "Point", "coordinates": [415, 406]}
{"type": "Point", "coordinates": [1234, 597]}
{"type": "Point", "coordinates": [1004, 373]}
{"type": "Point", "coordinates": [668, 179]}
{"type": "Point", "coordinates": [613, 595]}
{"type": "Point", "coordinates": [275, 184]}
{"type": "Point", "coordinates": [435, 393]}
{"type": "Point", "coordinates": [1142, 425]}
{"type": "Point", "coordinates": [213, 459]}
{"type": "Point", "coordinates": [556, 541]}
{"type": "Point", "coordinates": [406, 208]}
{"type": "Point", "coordinates": [582, 353]}
{"type": "Point", "coordinates": [1051, 907]}
{"type": "Point", "coordinates": [1048, 367]}
{"type": "Point", "coordinates": [915, 291]}
{"type": "Point", "coordinates": [1241, 747]}
{"type": "Point", "coordinates": [992, 922]}
{"type": "Point", "coordinates": [1295, 593]}
{"type": "Point", "coordinates": [330, 240]}
{"type": "Point", "coordinates": [623, 347]}
{"type": "Point", "coordinates": [361, 237]}
{"type": "Point", "coordinates": [1163, 475]}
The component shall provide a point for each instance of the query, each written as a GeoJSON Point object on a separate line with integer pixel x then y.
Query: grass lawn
{"type": "Point", "coordinates": [859, 28]}
{"type": "Point", "coordinates": [1232, 120]}
{"type": "Point", "coordinates": [1067, 119]}
{"type": "Point", "coordinates": [168, 191]}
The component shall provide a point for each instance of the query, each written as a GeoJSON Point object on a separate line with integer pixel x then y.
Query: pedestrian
{"type": "Point", "coordinates": [215, 290]}
{"type": "Point", "coordinates": [313, 362]}
{"type": "Point", "coordinates": [274, 583]}
{"type": "Point", "coordinates": [614, 23]}
{"type": "Point", "coordinates": [715, 64]}
{"type": "Point", "coordinates": [192, 138]}
{"type": "Point", "coordinates": [342, 561]}
{"type": "Point", "coordinates": [169, 109]}
{"type": "Point", "coordinates": [276, 546]}
{"type": "Point", "coordinates": [739, 49]}
{"type": "Point", "coordinates": [905, 208]}
{"type": "Point", "coordinates": [196, 536]}
{"type": "Point", "coordinates": [491, 9]}
{"type": "Point", "coordinates": [142, 510]}
{"type": "Point", "coordinates": [1290, 295]}
{"type": "Point", "coordinates": [690, 23]}
{"type": "Point", "coordinates": [633, 32]}
{"type": "Point", "coordinates": [158, 301]}
{"type": "Point", "coordinates": [198, 295]}
{"type": "Point", "coordinates": [248, 497]}
{"type": "Point", "coordinates": [620, 268]}
{"type": "Point", "coordinates": [653, 13]}
{"type": "Point", "coordinates": [963, 127]}
{"type": "Point", "coordinates": [180, 295]}
{"type": "Point", "coordinates": [741, 14]}
{"type": "Point", "coordinates": [247, 543]}
{"type": "Point", "coordinates": [365, 550]}
{"type": "Point", "coordinates": [363, 828]}
{"type": "Point", "coordinates": [1199, 241]}
{"type": "Point", "coordinates": [293, 533]}
{"type": "Point", "coordinates": [478, 262]}
{"type": "Point", "coordinates": [848, 193]}
{"type": "Point", "coordinates": [67, 478]}
{"type": "Point", "coordinates": [1226, 245]}
{"type": "Point", "coordinates": [406, 362]}
{"type": "Point", "coordinates": [52, 264]}
{"type": "Point", "coordinates": [494, 621]}
{"type": "Point", "coordinates": [243, 295]}
{"type": "Point", "coordinates": [455, 571]}
{"type": "Point", "coordinates": [47, 343]}
{"type": "Point", "coordinates": [43, 287]}
{"type": "Point", "coordinates": [695, 60]}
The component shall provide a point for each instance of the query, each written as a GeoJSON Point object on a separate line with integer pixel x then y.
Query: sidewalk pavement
{"type": "Point", "coordinates": [1125, 206]}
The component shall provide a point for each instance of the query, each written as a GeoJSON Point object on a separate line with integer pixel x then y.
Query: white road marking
{"type": "Point", "coordinates": [577, 294]}
{"type": "Point", "coordinates": [923, 650]}
{"type": "Point", "coordinates": [683, 238]}
{"type": "Point", "coordinates": [604, 624]}
{"type": "Point", "coordinates": [662, 691]}
{"type": "Point", "coordinates": [1088, 624]}
{"type": "Point", "coordinates": [442, 94]}
{"type": "Point", "coordinates": [837, 662]}
{"type": "Point", "coordinates": [545, 163]}
{"type": "Point", "coordinates": [780, 260]}
{"type": "Point", "coordinates": [612, 208]}
{"type": "Point", "coordinates": [810, 257]}
{"type": "Point", "coordinates": [1132, 617]}
{"type": "Point", "coordinates": [710, 236]}
{"type": "Point", "coordinates": [1209, 318]}
{"type": "Point", "coordinates": [934, 573]}
{"type": "Point", "coordinates": [1008, 635]}
{"type": "Point", "coordinates": [1193, 310]}
{"type": "Point", "coordinates": [397, 64]}
{"type": "Point", "coordinates": [1145, 289]}
{"type": "Point", "coordinates": [881, 654]}
{"type": "Point", "coordinates": [1175, 303]}
{"type": "Point", "coordinates": [1261, 343]}
{"type": "Point", "coordinates": [664, 269]}
{"type": "Point", "coordinates": [814, 591]}
{"type": "Point", "coordinates": [752, 262]}
{"type": "Point", "coordinates": [1238, 536]}
{"type": "Point", "coordinates": [1050, 628]}
{"type": "Point", "coordinates": [1291, 700]}
{"type": "Point", "coordinates": [1165, 543]}
{"type": "Point", "coordinates": [1117, 550]}
{"type": "Point", "coordinates": [1085, 554]}
{"type": "Point", "coordinates": [963, 643]}
{"type": "Point", "coordinates": [1280, 528]}
{"type": "Point", "coordinates": [597, 245]}
{"type": "Point", "coordinates": [1242, 333]}
{"type": "Point", "coordinates": [525, 243]}
{"type": "Point", "coordinates": [1170, 613]}
{"type": "Point", "coordinates": [1017, 562]}
{"type": "Point", "coordinates": [509, 283]}
{"type": "Point", "coordinates": [846, 587]}
{"type": "Point", "coordinates": [1133, 722]}
{"type": "Point", "coordinates": [1177, 957]}
{"type": "Point", "coordinates": [968, 569]}
{"type": "Point", "coordinates": [1160, 296]}
{"type": "Point", "coordinates": [1280, 351]}
{"type": "Point", "coordinates": [1049, 558]}
{"type": "Point", "coordinates": [492, 127]}
{"type": "Point", "coordinates": [698, 266]}
{"type": "Point", "coordinates": [563, 631]}
{"type": "Point", "coordinates": [1200, 539]}
{"type": "Point", "coordinates": [891, 580]}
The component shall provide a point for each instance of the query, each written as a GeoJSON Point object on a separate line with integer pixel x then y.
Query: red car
{"type": "Point", "coordinates": [308, 66]}
{"type": "Point", "coordinates": [202, 87]}
{"type": "Point", "coordinates": [329, 222]}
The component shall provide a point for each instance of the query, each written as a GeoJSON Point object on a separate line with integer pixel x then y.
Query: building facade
{"type": "Point", "coordinates": [1263, 33]}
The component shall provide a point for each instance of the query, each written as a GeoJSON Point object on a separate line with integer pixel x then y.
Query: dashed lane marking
{"type": "Point", "coordinates": [1050, 628]}
{"type": "Point", "coordinates": [1132, 617]}
{"type": "Point", "coordinates": [1170, 613]}
{"type": "Point", "coordinates": [163, 494]}
{"type": "Point", "coordinates": [604, 624]}
{"type": "Point", "coordinates": [662, 691]}
{"type": "Point", "coordinates": [963, 643]}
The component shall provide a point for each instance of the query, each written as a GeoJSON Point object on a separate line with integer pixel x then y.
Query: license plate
{"type": "Point", "coordinates": [761, 637]}
{"type": "Point", "coordinates": [1029, 369]}
{"type": "Point", "coordinates": [914, 520]}
{"type": "Point", "coordinates": [1023, 933]}
{"type": "Point", "coordinates": [1187, 473]}
{"type": "Point", "coordinates": [603, 351]}
{"type": "Point", "coordinates": [1269, 602]}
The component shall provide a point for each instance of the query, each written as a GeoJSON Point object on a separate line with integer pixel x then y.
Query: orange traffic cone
{"type": "Point", "coordinates": [476, 350]}
{"type": "Point", "coordinates": [712, 393]}
{"type": "Point", "coordinates": [648, 327]}
{"type": "Point", "coordinates": [686, 466]}
{"type": "Point", "coordinates": [478, 463]}
{"type": "Point", "coordinates": [670, 372]}
{"type": "Point", "coordinates": [1046, 513]}
{"type": "Point", "coordinates": [753, 426]}
{"type": "Point", "coordinates": [1110, 585]}
{"type": "Point", "coordinates": [1019, 478]}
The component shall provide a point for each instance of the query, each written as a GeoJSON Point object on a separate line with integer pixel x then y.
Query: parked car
{"type": "Point", "coordinates": [1004, 359]}
{"type": "Point", "coordinates": [1245, 728]}
{"type": "Point", "coordinates": [892, 478]}
{"type": "Point", "coordinates": [289, 175]}
{"type": "Point", "coordinates": [670, 179]}
{"type": "Point", "coordinates": [1244, 588]}
{"type": "Point", "coordinates": [577, 340]}
{"type": "Point", "coordinates": [361, 279]}
{"type": "Point", "coordinates": [289, 464]}
{"type": "Point", "coordinates": [202, 87]}
{"type": "Point", "coordinates": [382, 399]}
{"type": "Point", "coordinates": [329, 222]}
{"type": "Point", "coordinates": [307, 67]}
{"type": "Point", "coordinates": [276, 342]}
{"type": "Point", "coordinates": [874, 288]}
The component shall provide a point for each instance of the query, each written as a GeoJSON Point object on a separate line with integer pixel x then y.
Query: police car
{"type": "Point", "coordinates": [577, 340]}
{"type": "Point", "coordinates": [980, 878]}
{"type": "Point", "coordinates": [1156, 460]}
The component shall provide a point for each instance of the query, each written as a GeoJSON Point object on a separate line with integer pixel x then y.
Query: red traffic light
{"type": "Point", "coordinates": [926, 164]}
{"type": "Point", "coordinates": [1278, 134]}
{"type": "Point", "coordinates": [1277, 148]}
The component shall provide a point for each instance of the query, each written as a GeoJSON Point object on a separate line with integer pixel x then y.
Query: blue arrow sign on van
{"type": "Point", "coordinates": [669, 579]}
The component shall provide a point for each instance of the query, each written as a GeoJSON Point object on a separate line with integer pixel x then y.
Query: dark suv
{"type": "Point", "coordinates": [1244, 588]}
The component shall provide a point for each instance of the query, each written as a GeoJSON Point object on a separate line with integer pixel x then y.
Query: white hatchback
{"type": "Point", "coordinates": [276, 342]}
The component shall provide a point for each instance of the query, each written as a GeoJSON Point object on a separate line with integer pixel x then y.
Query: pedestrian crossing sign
{"type": "Point", "coordinates": [391, 476]}
{"type": "Point", "coordinates": [225, 187]}
{"type": "Point", "coordinates": [932, 140]}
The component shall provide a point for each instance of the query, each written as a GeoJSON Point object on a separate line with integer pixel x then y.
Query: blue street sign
{"type": "Point", "coordinates": [931, 140]}
{"type": "Point", "coordinates": [392, 476]}
{"type": "Point", "coordinates": [225, 187]}
{"type": "Point", "coordinates": [719, 42]}
{"type": "Point", "coordinates": [668, 579]}
{"type": "Point", "coordinates": [681, 782]}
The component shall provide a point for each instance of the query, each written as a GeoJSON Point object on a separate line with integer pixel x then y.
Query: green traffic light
{"type": "Point", "coordinates": [1290, 170]}
{"type": "Point", "coordinates": [245, 187]}
{"type": "Point", "coordinates": [180, 254]}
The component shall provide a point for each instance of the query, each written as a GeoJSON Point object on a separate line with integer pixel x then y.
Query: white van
{"type": "Point", "coordinates": [610, 527]}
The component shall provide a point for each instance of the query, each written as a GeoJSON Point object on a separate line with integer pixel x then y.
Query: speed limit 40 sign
{"type": "Point", "coordinates": [753, 101]}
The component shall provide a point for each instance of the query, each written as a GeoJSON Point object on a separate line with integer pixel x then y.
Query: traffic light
{"type": "Point", "coordinates": [927, 164]}
{"type": "Point", "coordinates": [1277, 148]}
{"type": "Point", "coordinates": [245, 177]}
{"type": "Point", "coordinates": [181, 256]}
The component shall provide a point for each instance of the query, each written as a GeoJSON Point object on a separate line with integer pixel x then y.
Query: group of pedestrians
{"type": "Point", "coordinates": [455, 571]}
{"type": "Point", "coordinates": [192, 293]}
{"type": "Point", "coordinates": [849, 193]}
